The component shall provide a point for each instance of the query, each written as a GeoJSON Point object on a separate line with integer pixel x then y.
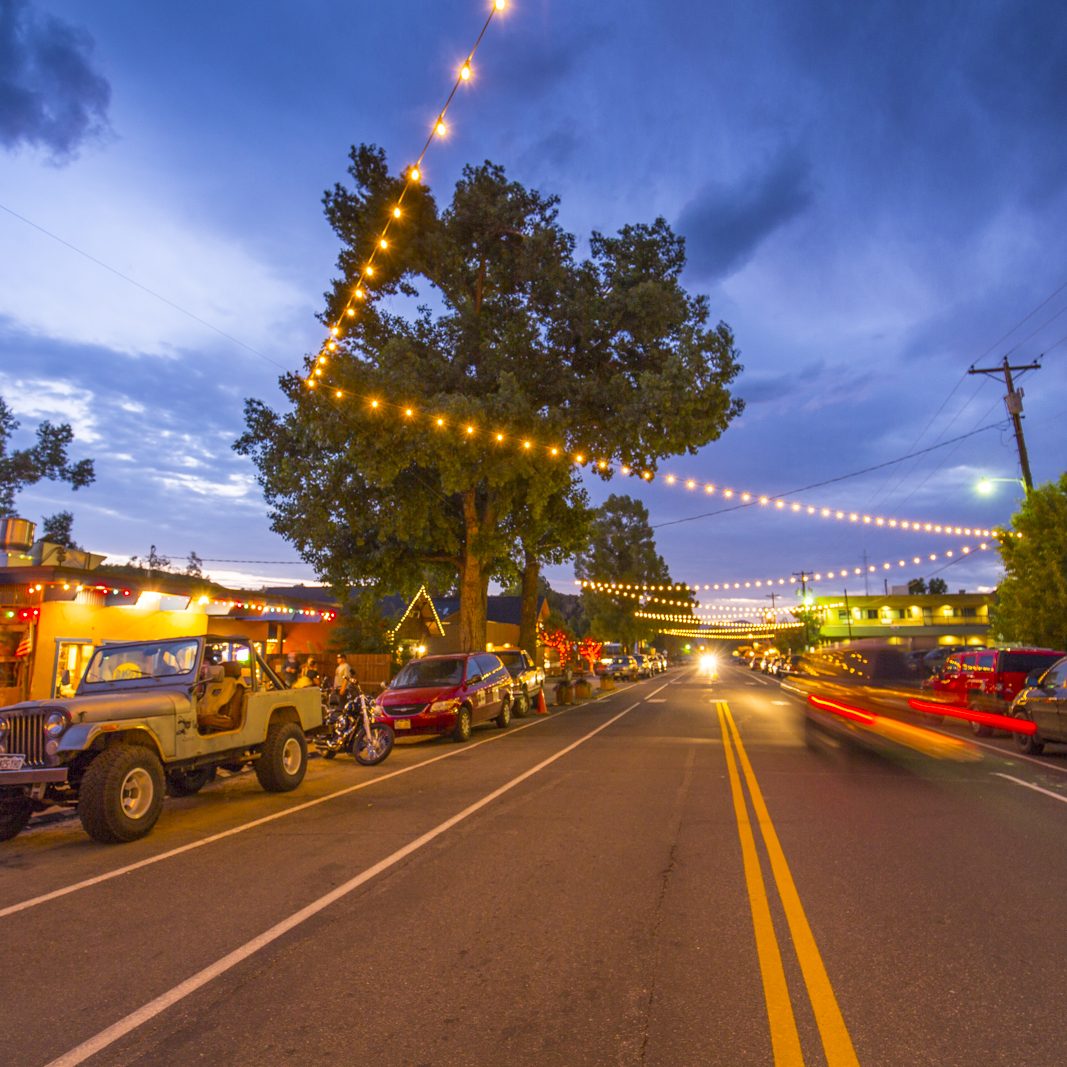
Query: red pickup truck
{"type": "Point", "coordinates": [989, 679]}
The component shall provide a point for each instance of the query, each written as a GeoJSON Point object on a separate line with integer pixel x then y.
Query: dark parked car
{"type": "Point", "coordinates": [1044, 704]}
{"type": "Point", "coordinates": [622, 667]}
{"type": "Point", "coordinates": [448, 694]}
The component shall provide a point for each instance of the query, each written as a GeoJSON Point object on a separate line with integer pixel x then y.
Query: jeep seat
{"type": "Point", "coordinates": [213, 709]}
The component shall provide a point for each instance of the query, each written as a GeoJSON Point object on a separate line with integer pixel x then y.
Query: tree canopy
{"type": "Point", "coordinates": [622, 548]}
{"type": "Point", "coordinates": [47, 458]}
{"type": "Point", "coordinates": [1031, 604]}
{"type": "Point", "coordinates": [607, 356]}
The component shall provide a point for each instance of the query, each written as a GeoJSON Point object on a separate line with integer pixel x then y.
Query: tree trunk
{"type": "Point", "coordinates": [473, 582]}
{"type": "Point", "coordinates": [531, 574]}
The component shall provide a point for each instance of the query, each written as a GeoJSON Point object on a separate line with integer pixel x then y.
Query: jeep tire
{"type": "Point", "coordinates": [15, 812]}
{"type": "Point", "coordinates": [284, 760]}
{"type": "Point", "coordinates": [121, 794]}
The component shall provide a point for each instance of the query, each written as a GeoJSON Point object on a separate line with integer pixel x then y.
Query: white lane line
{"type": "Point", "coordinates": [655, 691]}
{"type": "Point", "coordinates": [88, 883]}
{"type": "Point", "coordinates": [1030, 785]}
{"type": "Point", "coordinates": [655, 700]}
{"type": "Point", "coordinates": [184, 989]}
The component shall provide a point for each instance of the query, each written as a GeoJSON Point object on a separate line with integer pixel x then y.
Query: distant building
{"type": "Point", "coordinates": [919, 621]}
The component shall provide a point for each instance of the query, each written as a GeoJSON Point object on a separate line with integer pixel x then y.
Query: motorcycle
{"type": "Point", "coordinates": [353, 726]}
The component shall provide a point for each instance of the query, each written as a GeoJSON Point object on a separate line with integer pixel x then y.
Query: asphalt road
{"type": "Point", "coordinates": [670, 875]}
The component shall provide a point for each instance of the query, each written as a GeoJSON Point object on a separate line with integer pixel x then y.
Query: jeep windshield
{"type": "Point", "coordinates": [152, 659]}
{"type": "Point", "coordinates": [420, 673]}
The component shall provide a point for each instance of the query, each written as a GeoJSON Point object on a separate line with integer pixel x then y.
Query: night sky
{"type": "Point", "coordinates": [873, 197]}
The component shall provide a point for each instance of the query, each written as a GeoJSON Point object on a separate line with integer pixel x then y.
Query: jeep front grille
{"type": "Point", "coordinates": [25, 735]}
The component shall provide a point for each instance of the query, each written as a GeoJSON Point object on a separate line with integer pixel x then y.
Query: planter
{"type": "Point", "coordinates": [607, 684]}
{"type": "Point", "coordinates": [564, 694]}
{"type": "Point", "coordinates": [582, 689]}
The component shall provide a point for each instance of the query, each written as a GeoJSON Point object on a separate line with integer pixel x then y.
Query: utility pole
{"type": "Point", "coordinates": [1013, 401]}
{"type": "Point", "coordinates": [848, 616]}
{"type": "Point", "coordinates": [866, 577]}
{"type": "Point", "coordinates": [803, 577]}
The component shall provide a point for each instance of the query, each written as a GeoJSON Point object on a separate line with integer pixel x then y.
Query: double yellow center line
{"type": "Point", "coordinates": [785, 1040]}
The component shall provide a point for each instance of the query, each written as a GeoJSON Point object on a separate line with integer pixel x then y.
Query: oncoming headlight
{"type": "Point", "coordinates": [56, 723]}
{"type": "Point", "coordinates": [709, 664]}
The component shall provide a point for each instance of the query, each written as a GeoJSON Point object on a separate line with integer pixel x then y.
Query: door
{"type": "Point", "coordinates": [487, 706]}
{"type": "Point", "coordinates": [1051, 703]}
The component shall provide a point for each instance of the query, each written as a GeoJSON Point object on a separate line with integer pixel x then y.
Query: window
{"type": "Point", "coordinates": [842, 616]}
{"type": "Point", "coordinates": [872, 613]}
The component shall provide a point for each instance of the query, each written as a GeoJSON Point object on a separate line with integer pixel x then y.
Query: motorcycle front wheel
{"type": "Point", "coordinates": [373, 749]}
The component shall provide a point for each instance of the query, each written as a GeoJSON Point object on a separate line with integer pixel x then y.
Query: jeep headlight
{"type": "Point", "coordinates": [56, 723]}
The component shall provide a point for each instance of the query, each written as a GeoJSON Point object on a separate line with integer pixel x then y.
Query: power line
{"type": "Point", "coordinates": [839, 478]}
{"type": "Point", "coordinates": [144, 288]}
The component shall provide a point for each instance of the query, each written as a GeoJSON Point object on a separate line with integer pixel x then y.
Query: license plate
{"type": "Point", "coordinates": [402, 724]}
{"type": "Point", "coordinates": [12, 763]}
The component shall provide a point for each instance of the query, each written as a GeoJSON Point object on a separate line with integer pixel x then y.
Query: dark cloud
{"type": "Point", "coordinates": [724, 224]}
{"type": "Point", "coordinates": [50, 95]}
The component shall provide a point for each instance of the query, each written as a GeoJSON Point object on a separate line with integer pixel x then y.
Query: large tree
{"type": "Point", "coordinates": [47, 458]}
{"type": "Point", "coordinates": [1031, 604]}
{"type": "Point", "coordinates": [605, 358]}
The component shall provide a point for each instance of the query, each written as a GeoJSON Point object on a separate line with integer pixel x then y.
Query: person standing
{"type": "Point", "coordinates": [290, 669]}
{"type": "Point", "coordinates": [343, 676]}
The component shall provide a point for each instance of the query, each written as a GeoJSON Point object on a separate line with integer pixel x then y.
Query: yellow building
{"type": "Point", "coordinates": [913, 621]}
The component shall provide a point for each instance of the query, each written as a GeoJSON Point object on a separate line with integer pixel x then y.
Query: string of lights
{"type": "Point", "coordinates": [642, 591]}
{"type": "Point", "coordinates": [748, 618]}
{"type": "Point", "coordinates": [412, 178]}
{"type": "Point", "coordinates": [475, 434]}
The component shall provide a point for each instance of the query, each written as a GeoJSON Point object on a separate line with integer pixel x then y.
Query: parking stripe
{"type": "Point", "coordinates": [88, 883]}
{"type": "Point", "coordinates": [115, 1032]}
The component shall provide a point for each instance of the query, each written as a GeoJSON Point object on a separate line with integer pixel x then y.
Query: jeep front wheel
{"type": "Point", "coordinates": [284, 760]}
{"type": "Point", "coordinates": [15, 812]}
{"type": "Point", "coordinates": [121, 794]}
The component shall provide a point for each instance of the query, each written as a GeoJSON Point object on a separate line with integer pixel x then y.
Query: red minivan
{"type": "Point", "coordinates": [447, 694]}
{"type": "Point", "coordinates": [991, 678]}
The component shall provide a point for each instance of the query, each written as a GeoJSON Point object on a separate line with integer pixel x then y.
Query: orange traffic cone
{"type": "Point", "coordinates": [542, 706]}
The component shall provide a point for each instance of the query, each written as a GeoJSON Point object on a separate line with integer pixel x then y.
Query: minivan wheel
{"type": "Point", "coordinates": [462, 730]}
{"type": "Point", "coordinates": [503, 720]}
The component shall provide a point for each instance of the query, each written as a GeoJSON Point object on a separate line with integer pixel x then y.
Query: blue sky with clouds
{"type": "Point", "coordinates": [873, 196]}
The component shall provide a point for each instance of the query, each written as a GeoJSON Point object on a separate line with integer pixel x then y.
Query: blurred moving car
{"type": "Point", "coordinates": [447, 694]}
{"type": "Point", "coordinates": [1045, 704]}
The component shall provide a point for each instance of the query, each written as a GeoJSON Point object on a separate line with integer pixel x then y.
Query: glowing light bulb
{"type": "Point", "coordinates": [527, 444]}
{"type": "Point", "coordinates": [440, 128]}
{"type": "Point", "coordinates": [350, 312]}
{"type": "Point", "coordinates": [414, 174]}
{"type": "Point", "coordinates": [383, 243]}
{"type": "Point", "coordinates": [369, 270]}
{"type": "Point", "coordinates": [465, 71]}
{"type": "Point", "coordinates": [396, 212]}
{"type": "Point", "coordinates": [408, 412]}
{"type": "Point", "coordinates": [500, 4]}
{"type": "Point", "coordinates": [358, 293]}
{"type": "Point", "coordinates": [374, 403]}
{"type": "Point", "coordinates": [332, 346]}
{"type": "Point", "coordinates": [553, 451]}
{"type": "Point", "coordinates": [440, 422]}
{"type": "Point", "coordinates": [499, 437]}
{"type": "Point", "coordinates": [338, 394]}
{"type": "Point", "coordinates": [470, 429]}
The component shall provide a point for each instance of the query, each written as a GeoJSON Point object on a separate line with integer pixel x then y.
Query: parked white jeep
{"type": "Point", "coordinates": [149, 716]}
